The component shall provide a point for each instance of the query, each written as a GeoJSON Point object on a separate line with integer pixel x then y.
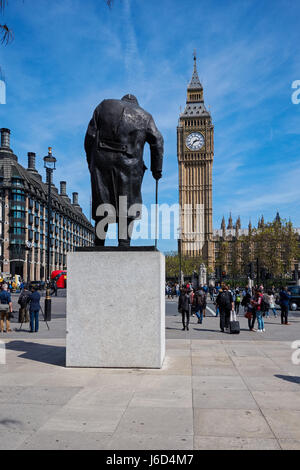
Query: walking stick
{"type": "Point", "coordinates": [156, 212]}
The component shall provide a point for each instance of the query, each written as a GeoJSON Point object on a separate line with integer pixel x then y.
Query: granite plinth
{"type": "Point", "coordinates": [116, 309]}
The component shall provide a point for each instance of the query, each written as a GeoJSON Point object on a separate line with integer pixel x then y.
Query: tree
{"type": "Point", "coordinates": [188, 264]}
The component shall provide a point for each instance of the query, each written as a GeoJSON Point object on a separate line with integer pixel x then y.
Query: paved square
{"type": "Point", "coordinates": [215, 391]}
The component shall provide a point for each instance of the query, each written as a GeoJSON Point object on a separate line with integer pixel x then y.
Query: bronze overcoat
{"type": "Point", "coordinates": [114, 145]}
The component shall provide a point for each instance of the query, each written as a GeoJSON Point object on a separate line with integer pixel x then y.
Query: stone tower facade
{"type": "Point", "coordinates": [195, 153]}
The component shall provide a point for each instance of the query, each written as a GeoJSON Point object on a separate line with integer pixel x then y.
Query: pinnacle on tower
{"type": "Point", "coordinates": [230, 224]}
{"type": "Point", "coordinates": [277, 218]}
{"type": "Point", "coordinates": [195, 83]}
{"type": "Point", "coordinates": [223, 226]}
{"type": "Point", "coordinates": [238, 223]}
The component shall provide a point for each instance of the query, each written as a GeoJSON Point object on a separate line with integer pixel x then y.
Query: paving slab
{"type": "Point", "coordinates": [234, 443]}
{"type": "Point", "coordinates": [37, 395]}
{"type": "Point", "coordinates": [290, 444]}
{"type": "Point", "coordinates": [222, 370]}
{"type": "Point", "coordinates": [277, 382]}
{"type": "Point", "coordinates": [231, 422]}
{"type": "Point", "coordinates": [85, 419]}
{"type": "Point", "coordinates": [141, 441]}
{"type": "Point", "coordinates": [161, 421]}
{"type": "Point", "coordinates": [224, 399]}
{"type": "Point", "coordinates": [284, 423]}
{"type": "Point", "coordinates": [165, 398]}
{"type": "Point", "coordinates": [21, 418]}
{"type": "Point", "coordinates": [218, 383]}
{"type": "Point", "coordinates": [12, 440]}
{"type": "Point", "coordinates": [65, 440]}
{"type": "Point", "coordinates": [280, 400]}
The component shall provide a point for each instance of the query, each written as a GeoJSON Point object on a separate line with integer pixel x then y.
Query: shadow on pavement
{"type": "Point", "coordinates": [54, 355]}
{"type": "Point", "coordinates": [289, 378]}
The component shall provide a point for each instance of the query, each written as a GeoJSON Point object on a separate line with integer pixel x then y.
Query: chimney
{"type": "Point", "coordinates": [5, 138]}
{"type": "Point", "coordinates": [75, 199]}
{"type": "Point", "coordinates": [63, 188]}
{"type": "Point", "coordinates": [31, 161]}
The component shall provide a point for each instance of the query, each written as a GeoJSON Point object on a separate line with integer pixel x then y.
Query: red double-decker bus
{"type": "Point", "coordinates": [60, 277]}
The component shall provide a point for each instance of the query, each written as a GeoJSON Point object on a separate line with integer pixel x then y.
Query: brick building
{"type": "Point", "coordinates": [23, 210]}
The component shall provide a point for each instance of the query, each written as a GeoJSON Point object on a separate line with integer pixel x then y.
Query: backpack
{"type": "Point", "coordinates": [264, 306]}
{"type": "Point", "coordinates": [200, 299]}
{"type": "Point", "coordinates": [224, 300]}
{"type": "Point", "coordinates": [23, 300]}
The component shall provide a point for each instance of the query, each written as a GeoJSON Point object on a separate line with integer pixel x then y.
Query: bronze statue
{"type": "Point", "coordinates": [114, 145]}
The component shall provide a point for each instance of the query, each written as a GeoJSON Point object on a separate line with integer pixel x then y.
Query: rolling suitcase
{"type": "Point", "coordinates": [234, 325]}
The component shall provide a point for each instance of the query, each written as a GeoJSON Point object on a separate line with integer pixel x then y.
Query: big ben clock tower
{"type": "Point", "coordinates": [195, 152]}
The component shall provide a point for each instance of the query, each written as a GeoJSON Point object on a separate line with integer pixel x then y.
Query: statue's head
{"type": "Point", "coordinates": [130, 98]}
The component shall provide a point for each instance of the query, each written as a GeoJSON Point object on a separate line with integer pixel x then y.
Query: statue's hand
{"type": "Point", "coordinates": [157, 175]}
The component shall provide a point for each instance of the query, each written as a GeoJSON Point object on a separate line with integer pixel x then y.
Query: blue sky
{"type": "Point", "coordinates": [69, 55]}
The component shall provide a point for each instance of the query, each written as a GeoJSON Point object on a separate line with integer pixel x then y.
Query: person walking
{"type": "Point", "coordinates": [272, 303]}
{"type": "Point", "coordinates": [23, 302]}
{"type": "Point", "coordinates": [266, 304]}
{"type": "Point", "coordinates": [34, 308]}
{"type": "Point", "coordinates": [211, 292]}
{"type": "Point", "coordinates": [5, 308]}
{"type": "Point", "coordinates": [284, 299]}
{"type": "Point", "coordinates": [54, 288]}
{"type": "Point", "coordinates": [184, 308]}
{"type": "Point", "coordinates": [257, 304]}
{"type": "Point", "coordinates": [225, 303]}
{"type": "Point", "coordinates": [237, 301]}
{"type": "Point", "coordinates": [200, 304]}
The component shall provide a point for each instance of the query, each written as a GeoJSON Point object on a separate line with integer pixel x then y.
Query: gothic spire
{"type": "Point", "coordinates": [230, 224]}
{"type": "Point", "coordinates": [195, 83]}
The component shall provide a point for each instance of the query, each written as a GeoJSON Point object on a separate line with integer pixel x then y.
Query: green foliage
{"type": "Point", "coordinates": [188, 264]}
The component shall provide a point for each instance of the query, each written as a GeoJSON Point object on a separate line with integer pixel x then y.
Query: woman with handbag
{"type": "Point", "coordinates": [5, 308]}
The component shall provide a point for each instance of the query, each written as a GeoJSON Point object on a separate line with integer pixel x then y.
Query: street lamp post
{"type": "Point", "coordinates": [49, 164]}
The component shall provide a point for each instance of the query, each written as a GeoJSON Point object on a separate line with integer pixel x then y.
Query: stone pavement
{"type": "Point", "coordinates": [221, 393]}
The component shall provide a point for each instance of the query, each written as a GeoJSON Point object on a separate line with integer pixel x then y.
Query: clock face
{"type": "Point", "coordinates": [194, 141]}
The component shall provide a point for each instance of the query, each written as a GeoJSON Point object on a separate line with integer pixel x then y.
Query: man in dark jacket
{"type": "Point", "coordinates": [114, 145]}
{"type": "Point", "coordinates": [184, 308]}
{"type": "Point", "coordinates": [23, 302]}
{"type": "Point", "coordinates": [199, 304]}
{"type": "Point", "coordinates": [225, 303]}
{"type": "Point", "coordinates": [284, 298]}
{"type": "Point", "coordinates": [34, 309]}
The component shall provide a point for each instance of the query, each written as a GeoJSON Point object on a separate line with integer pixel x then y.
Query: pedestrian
{"type": "Point", "coordinates": [272, 303]}
{"type": "Point", "coordinates": [237, 301]}
{"type": "Point", "coordinates": [211, 292]}
{"type": "Point", "coordinates": [5, 308]}
{"type": "Point", "coordinates": [284, 298]}
{"type": "Point", "coordinates": [258, 306]}
{"type": "Point", "coordinates": [23, 302]}
{"type": "Point", "coordinates": [177, 290]}
{"type": "Point", "coordinates": [266, 304]}
{"type": "Point", "coordinates": [191, 292]}
{"type": "Point", "coordinates": [200, 304]}
{"type": "Point", "coordinates": [184, 308]}
{"type": "Point", "coordinates": [54, 288]}
{"type": "Point", "coordinates": [34, 309]}
{"type": "Point", "coordinates": [225, 303]}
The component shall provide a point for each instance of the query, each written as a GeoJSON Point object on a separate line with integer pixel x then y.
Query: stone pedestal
{"type": "Point", "coordinates": [115, 309]}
